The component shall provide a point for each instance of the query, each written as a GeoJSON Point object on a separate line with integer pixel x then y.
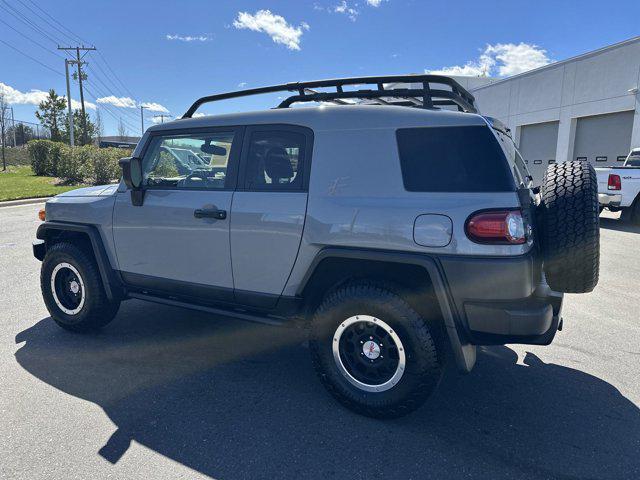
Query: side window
{"type": "Point", "coordinates": [275, 160]}
{"type": "Point", "coordinates": [453, 159]}
{"type": "Point", "coordinates": [188, 161]}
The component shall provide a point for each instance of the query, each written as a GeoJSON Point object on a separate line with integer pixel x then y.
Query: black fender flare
{"type": "Point", "coordinates": [111, 280]}
{"type": "Point", "coordinates": [464, 352]}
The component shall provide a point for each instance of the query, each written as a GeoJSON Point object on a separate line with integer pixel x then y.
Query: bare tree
{"type": "Point", "coordinates": [99, 127]}
{"type": "Point", "coordinates": [4, 116]}
{"type": "Point", "coordinates": [122, 130]}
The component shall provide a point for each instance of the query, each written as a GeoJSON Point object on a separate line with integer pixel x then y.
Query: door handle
{"type": "Point", "coordinates": [210, 213]}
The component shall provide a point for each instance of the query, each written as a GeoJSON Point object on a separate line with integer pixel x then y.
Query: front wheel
{"type": "Point", "coordinates": [373, 352]}
{"type": "Point", "coordinates": [72, 289]}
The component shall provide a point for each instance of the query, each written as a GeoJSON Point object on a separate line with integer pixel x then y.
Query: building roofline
{"type": "Point", "coordinates": [560, 63]}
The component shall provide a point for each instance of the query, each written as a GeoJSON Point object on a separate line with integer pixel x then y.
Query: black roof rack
{"type": "Point", "coordinates": [390, 90]}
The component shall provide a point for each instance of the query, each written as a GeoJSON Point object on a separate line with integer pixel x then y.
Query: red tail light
{"type": "Point", "coordinates": [497, 227]}
{"type": "Point", "coordinates": [614, 182]}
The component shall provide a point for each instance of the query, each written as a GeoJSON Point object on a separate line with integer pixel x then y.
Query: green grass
{"type": "Point", "coordinates": [20, 182]}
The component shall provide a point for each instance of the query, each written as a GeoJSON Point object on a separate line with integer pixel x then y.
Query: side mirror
{"type": "Point", "coordinates": [132, 176]}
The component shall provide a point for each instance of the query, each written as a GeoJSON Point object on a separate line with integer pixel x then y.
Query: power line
{"type": "Point", "coordinates": [104, 60]}
{"type": "Point", "coordinates": [53, 35]}
{"type": "Point", "coordinates": [101, 92]}
{"type": "Point", "coordinates": [18, 15]}
{"type": "Point", "coordinates": [113, 76]}
{"type": "Point", "coordinates": [47, 21]}
{"type": "Point", "coordinates": [31, 39]}
{"type": "Point", "coordinates": [113, 79]}
{"type": "Point", "coordinates": [110, 112]}
{"type": "Point", "coordinates": [34, 59]}
{"type": "Point", "coordinates": [103, 84]}
{"type": "Point", "coordinates": [59, 23]}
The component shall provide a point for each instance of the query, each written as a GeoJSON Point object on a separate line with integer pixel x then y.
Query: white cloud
{"type": "Point", "coordinates": [242, 84]}
{"type": "Point", "coordinates": [159, 119]}
{"type": "Point", "coordinates": [519, 58]}
{"type": "Point", "coordinates": [344, 8]}
{"type": "Point", "coordinates": [273, 25]}
{"type": "Point", "coordinates": [374, 3]}
{"type": "Point", "coordinates": [199, 114]}
{"type": "Point", "coordinates": [121, 102]}
{"type": "Point", "coordinates": [502, 59]}
{"type": "Point", "coordinates": [35, 97]}
{"type": "Point", "coordinates": [189, 38]}
{"type": "Point", "coordinates": [127, 102]}
{"type": "Point", "coordinates": [154, 107]}
{"type": "Point", "coordinates": [76, 105]}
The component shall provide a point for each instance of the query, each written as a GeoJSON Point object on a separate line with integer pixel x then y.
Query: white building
{"type": "Point", "coordinates": [586, 107]}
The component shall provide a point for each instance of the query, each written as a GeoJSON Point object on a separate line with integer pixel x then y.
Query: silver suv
{"type": "Point", "coordinates": [396, 223]}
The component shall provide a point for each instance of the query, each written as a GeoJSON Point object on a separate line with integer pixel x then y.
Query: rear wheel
{"type": "Point", "coordinates": [72, 289]}
{"type": "Point", "coordinates": [373, 352]}
{"type": "Point", "coordinates": [570, 227]}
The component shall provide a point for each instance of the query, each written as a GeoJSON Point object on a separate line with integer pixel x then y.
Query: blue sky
{"type": "Point", "coordinates": [166, 54]}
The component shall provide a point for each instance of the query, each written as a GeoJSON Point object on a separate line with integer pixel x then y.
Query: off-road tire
{"type": "Point", "coordinates": [97, 310]}
{"type": "Point", "coordinates": [570, 227]}
{"type": "Point", "coordinates": [423, 360]}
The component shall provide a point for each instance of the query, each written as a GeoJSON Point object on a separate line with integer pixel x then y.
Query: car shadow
{"type": "Point", "coordinates": [618, 225]}
{"type": "Point", "coordinates": [239, 400]}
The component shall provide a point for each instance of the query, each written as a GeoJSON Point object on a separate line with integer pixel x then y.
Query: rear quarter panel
{"type": "Point", "coordinates": [357, 199]}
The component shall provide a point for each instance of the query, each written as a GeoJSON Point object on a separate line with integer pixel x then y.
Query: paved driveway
{"type": "Point", "coordinates": [169, 393]}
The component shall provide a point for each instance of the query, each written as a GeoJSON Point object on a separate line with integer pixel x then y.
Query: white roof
{"type": "Point", "coordinates": [330, 117]}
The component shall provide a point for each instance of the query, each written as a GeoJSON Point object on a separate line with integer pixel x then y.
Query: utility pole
{"type": "Point", "coordinates": [13, 125]}
{"type": "Point", "coordinates": [142, 118]}
{"type": "Point", "coordinates": [162, 116]}
{"type": "Point", "coordinates": [66, 69]}
{"type": "Point", "coordinates": [79, 62]}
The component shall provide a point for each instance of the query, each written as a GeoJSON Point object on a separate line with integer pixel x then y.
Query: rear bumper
{"type": "Point", "coordinates": [609, 199]}
{"type": "Point", "coordinates": [503, 300]}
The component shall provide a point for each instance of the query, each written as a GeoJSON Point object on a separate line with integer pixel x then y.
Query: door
{"type": "Point", "coordinates": [177, 241]}
{"type": "Point", "coordinates": [268, 211]}
{"type": "Point", "coordinates": [604, 140]}
{"type": "Point", "coordinates": [538, 144]}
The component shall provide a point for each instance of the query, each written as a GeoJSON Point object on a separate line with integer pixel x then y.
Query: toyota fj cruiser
{"type": "Point", "coordinates": [396, 222]}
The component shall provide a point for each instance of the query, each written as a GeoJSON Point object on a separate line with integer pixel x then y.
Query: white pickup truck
{"type": "Point", "coordinates": [619, 187]}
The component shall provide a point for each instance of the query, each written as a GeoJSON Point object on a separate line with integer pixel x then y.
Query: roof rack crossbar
{"type": "Point", "coordinates": [410, 94]}
{"type": "Point", "coordinates": [457, 95]}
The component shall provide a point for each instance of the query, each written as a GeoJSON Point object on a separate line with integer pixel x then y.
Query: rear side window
{"type": "Point", "coordinates": [452, 159]}
{"type": "Point", "coordinates": [275, 160]}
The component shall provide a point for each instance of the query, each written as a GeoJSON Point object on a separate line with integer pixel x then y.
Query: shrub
{"type": "Point", "coordinates": [105, 164]}
{"type": "Point", "coordinates": [39, 156]}
{"type": "Point", "coordinates": [86, 164]}
{"type": "Point", "coordinates": [74, 164]}
{"type": "Point", "coordinates": [55, 150]}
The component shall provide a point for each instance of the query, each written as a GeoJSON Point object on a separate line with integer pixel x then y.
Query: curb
{"type": "Point", "coordinates": [24, 201]}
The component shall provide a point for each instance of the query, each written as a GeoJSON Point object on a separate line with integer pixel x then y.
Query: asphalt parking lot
{"type": "Point", "coordinates": [169, 393]}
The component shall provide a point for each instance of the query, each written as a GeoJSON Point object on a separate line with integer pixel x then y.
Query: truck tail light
{"type": "Point", "coordinates": [614, 182]}
{"type": "Point", "coordinates": [497, 227]}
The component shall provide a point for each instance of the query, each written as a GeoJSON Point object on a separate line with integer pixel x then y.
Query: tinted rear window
{"type": "Point", "coordinates": [453, 159]}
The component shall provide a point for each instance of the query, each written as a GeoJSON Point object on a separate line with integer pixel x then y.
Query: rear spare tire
{"type": "Point", "coordinates": [570, 227]}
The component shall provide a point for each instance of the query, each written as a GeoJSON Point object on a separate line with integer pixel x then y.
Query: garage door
{"type": "Point", "coordinates": [538, 144]}
{"type": "Point", "coordinates": [603, 139]}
